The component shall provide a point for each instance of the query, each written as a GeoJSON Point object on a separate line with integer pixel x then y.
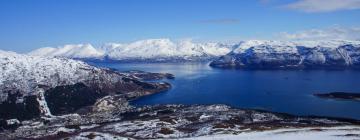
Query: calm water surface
{"type": "Point", "coordinates": [273, 90]}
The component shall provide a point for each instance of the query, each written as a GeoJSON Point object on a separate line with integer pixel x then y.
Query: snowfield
{"type": "Point", "coordinates": [334, 133]}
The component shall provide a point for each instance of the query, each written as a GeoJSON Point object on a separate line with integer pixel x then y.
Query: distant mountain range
{"type": "Point", "coordinates": [154, 50]}
{"type": "Point", "coordinates": [255, 54]}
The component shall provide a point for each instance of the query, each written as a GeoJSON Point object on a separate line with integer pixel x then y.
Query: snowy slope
{"type": "Point", "coordinates": [151, 49]}
{"type": "Point", "coordinates": [21, 75]}
{"type": "Point", "coordinates": [25, 80]}
{"type": "Point", "coordinates": [285, 54]}
{"type": "Point", "coordinates": [22, 71]}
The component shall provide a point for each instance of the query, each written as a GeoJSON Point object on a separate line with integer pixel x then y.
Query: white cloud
{"type": "Point", "coordinates": [312, 6]}
{"type": "Point", "coordinates": [331, 33]}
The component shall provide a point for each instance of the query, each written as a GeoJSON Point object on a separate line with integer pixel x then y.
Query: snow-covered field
{"type": "Point", "coordinates": [316, 133]}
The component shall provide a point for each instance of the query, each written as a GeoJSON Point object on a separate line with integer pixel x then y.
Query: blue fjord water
{"type": "Point", "coordinates": [287, 91]}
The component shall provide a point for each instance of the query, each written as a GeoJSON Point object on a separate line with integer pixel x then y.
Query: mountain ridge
{"type": "Point", "coordinates": [165, 50]}
{"type": "Point", "coordinates": [337, 54]}
{"type": "Point", "coordinates": [155, 50]}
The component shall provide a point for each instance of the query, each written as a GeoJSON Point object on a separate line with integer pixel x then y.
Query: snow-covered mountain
{"type": "Point", "coordinates": [246, 54]}
{"type": "Point", "coordinates": [33, 85]}
{"type": "Point", "coordinates": [297, 54]}
{"type": "Point", "coordinates": [143, 50]}
{"type": "Point", "coordinates": [86, 51]}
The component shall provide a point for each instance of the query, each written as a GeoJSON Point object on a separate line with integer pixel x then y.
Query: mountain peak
{"type": "Point", "coordinates": [70, 51]}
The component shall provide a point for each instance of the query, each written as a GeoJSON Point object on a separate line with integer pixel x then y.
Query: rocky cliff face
{"type": "Point", "coordinates": [32, 86]}
{"type": "Point", "coordinates": [285, 55]}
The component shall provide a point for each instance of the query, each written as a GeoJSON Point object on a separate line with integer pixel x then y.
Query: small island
{"type": "Point", "coordinates": [148, 76]}
{"type": "Point", "coordinates": [340, 95]}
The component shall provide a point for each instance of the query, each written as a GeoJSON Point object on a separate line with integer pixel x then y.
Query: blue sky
{"type": "Point", "coordinates": [26, 25]}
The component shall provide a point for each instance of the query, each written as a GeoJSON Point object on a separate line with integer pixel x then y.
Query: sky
{"type": "Point", "coordinates": [29, 24]}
